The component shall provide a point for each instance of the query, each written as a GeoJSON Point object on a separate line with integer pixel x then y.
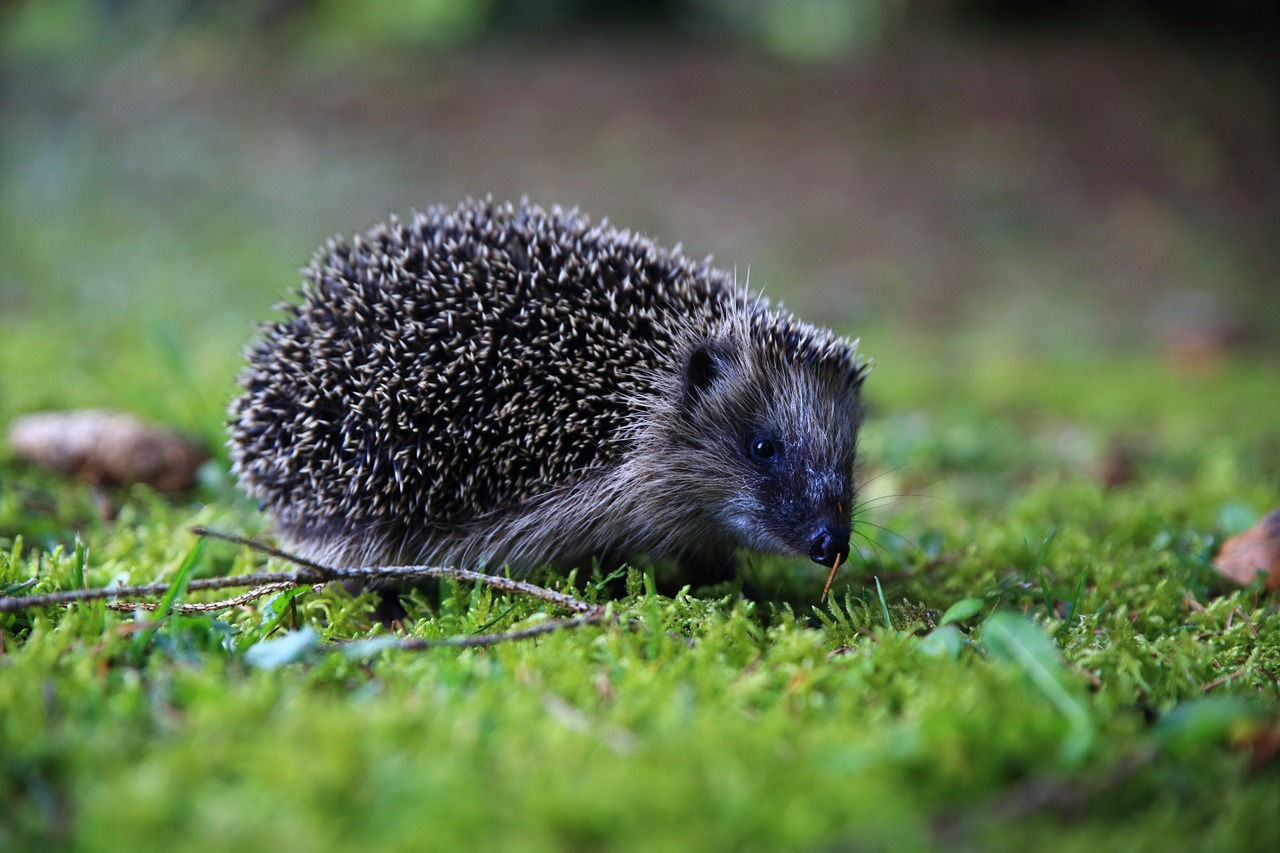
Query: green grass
{"type": "Point", "coordinates": [1020, 657]}
{"type": "Point", "coordinates": [1088, 652]}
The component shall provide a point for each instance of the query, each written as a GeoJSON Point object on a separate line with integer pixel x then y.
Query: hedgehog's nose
{"type": "Point", "coordinates": [828, 544]}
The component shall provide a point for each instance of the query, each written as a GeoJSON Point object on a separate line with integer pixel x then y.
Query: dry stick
{"type": "Point", "coordinates": [310, 573]}
{"type": "Point", "coordinates": [1060, 797]}
{"type": "Point", "coordinates": [417, 644]}
{"type": "Point", "coordinates": [203, 606]}
{"type": "Point", "coordinates": [568, 602]}
{"type": "Point", "coordinates": [67, 596]}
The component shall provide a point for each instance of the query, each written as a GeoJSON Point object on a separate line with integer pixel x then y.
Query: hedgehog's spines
{"type": "Point", "coordinates": [493, 382]}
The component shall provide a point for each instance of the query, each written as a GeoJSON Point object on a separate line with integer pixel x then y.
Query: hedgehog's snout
{"type": "Point", "coordinates": [829, 543]}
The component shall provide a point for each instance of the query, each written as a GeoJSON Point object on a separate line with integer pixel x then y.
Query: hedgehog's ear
{"type": "Point", "coordinates": [705, 365]}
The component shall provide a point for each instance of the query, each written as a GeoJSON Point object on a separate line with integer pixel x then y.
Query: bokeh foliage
{"type": "Point", "coordinates": [1028, 650]}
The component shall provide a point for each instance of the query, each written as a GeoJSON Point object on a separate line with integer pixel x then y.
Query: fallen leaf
{"type": "Point", "coordinates": [1119, 465]}
{"type": "Point", "coordinates": [1255, 551]}
{"type": "Point", "coordinates": [106, 448]}
{"type": "Point", "coordinates": [1263, 745]}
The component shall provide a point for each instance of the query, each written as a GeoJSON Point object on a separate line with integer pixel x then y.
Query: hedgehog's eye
{"type": "Point", "coordinates": [763, 448]}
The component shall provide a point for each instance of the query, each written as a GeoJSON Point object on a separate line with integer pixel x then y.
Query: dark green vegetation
{"type": "Point", "coordinates": [1131, 687]}
{"type": "Point", "coordinates": [1093, 686]}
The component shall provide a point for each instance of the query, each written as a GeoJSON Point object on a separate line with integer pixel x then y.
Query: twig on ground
{"type": "Point", "coordinates": [310, 573]}
{"type": "Point", "coordinates": [1039, 795]}
{"type": "Point", "coordinates": [416, 644]}
{"type": "Point", "coordinates": [503, 584]}
{"type": "Point", "coordinates": [203, 606]}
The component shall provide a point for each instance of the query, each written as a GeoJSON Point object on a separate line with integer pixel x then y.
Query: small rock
{"type": "Point", "coordinates": [106, 448]}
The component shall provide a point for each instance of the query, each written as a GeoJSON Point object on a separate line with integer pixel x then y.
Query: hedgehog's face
{"type": "Point", "coordinates": [778, 436]}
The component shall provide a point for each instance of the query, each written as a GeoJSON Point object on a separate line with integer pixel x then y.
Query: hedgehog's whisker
{"type": "Point", "coordinates": [889, 531]}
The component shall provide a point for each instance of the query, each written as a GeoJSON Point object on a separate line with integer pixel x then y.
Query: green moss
{"type": "Point", "coordinates": [709, 722]}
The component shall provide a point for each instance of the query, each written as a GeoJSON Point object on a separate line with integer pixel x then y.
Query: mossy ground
{"type": "Point", "coordinates": [1093, 687]}
{"type": "Point", "coordinates": [711, 722]}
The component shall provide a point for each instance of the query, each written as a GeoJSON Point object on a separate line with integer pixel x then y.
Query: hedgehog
{"type": "Point", "coordinates": [506, 387]}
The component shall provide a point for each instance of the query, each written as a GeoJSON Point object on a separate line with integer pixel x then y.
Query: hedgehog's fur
{"type": "Point", "coordinates": [502, 384]}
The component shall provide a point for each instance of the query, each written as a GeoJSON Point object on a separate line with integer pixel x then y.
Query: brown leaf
{"type": "Point", "coordinates": [1263, 744]}
{"type": "Point", "coordinates": [1119, 465]}
{"type": "Point", "coordinates": [1255, 551]}
{"type": "Point", "coordinates": [107, 449]}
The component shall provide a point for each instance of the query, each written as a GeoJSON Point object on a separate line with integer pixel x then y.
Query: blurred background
{"type": "Point", "coordinates": [1074, 178]}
